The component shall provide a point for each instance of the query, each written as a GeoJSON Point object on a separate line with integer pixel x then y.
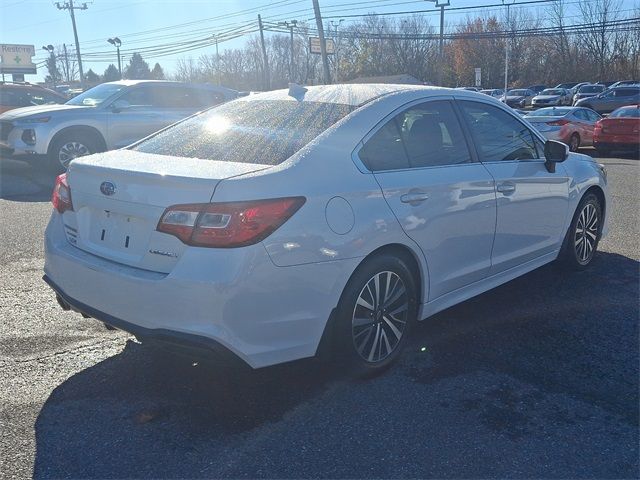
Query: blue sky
{"type": "Point", "coordinates": [39, 22]}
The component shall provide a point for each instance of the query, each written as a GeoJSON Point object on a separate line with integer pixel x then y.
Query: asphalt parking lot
{"type": "Point", "coordinates": [537, 378]}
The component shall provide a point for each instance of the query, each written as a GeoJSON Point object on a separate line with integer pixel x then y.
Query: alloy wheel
{"type": "Point", "coordinates": [380, 317]}
{"type": "Point", "coordinates": [71, 150]}
{"type": "Point", "coordinates": [574, 143]}
{"type": "Point", "coordinates": [586, 234]}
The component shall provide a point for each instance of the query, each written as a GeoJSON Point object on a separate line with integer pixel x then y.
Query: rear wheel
{"type": "Point", "coordinates": [574, 142]}
{"type": "Point", "coordinates": [581, 241]}
{"type": "Point", "coordinates": [376, 312]}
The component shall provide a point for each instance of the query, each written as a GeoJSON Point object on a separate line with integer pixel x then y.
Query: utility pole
{"type": "Point", "coordinates": [441, 4]}
{"type": "Point", "coordinates": [323, 45]}
{"type": "Point", "coordinates": [507, 45]}
{"type": "Point", "coordinates": [336, 25]}
{"type": "Point", "coordinates": [265, 59]}
{"type": "Point", "coordinates": [66, 63]}
{"type": "Point", "coordinates": [290, 25]}
{"type": "Point", "coordinates": [215, 37]}
{"type": "Point", "coordinates": [69, 6]}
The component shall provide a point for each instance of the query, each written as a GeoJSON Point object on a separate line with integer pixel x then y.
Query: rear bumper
{"type": "Point", "coordinates": [196, 345]}
{"type": "Point", "coordinates": [617, 142]}
{"type": "Point", "coordinates": [235, 298]}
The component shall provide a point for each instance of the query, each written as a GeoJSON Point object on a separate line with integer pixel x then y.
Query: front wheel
{"type": "Point", "coordinates": [376, 312]}
{"type": "Point", "coordinates": [574, 142]}
{"type": "Point", "coordinates": [581, 241]}
{"type": "Point", "coordinates": [69, 146]}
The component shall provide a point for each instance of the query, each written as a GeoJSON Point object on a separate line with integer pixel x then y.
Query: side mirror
{"type": "Point", "coordinates": [119, 105]}
{"type": "Point", "coordinates": [554, 152]}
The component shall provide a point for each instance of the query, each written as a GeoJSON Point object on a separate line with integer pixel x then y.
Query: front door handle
{"type": "Point", "coordinates": [506, 188]}
{"type": "Point", "coordinates": [414, 198]}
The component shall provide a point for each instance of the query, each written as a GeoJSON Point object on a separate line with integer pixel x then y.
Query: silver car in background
{"type": "Point", "coordinates": [587, 91]}
{"type": "Point", "coordinates": [109, 116]}
{"type": "Point", "coordinates": [493, 92]}
{"type": "Point", "coordinates": [552, 97]}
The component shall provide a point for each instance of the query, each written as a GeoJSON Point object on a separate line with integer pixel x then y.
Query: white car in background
{"type": "Point", "coordinates": [340, 213]}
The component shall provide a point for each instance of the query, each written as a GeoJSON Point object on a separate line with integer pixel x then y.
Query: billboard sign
{"type": "Point", "coordinates": [17, 59]}
{"type": "Point", "coordinates": [314, 45]}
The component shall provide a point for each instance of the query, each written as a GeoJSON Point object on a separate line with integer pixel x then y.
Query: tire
{"type": "Point", "coordinates": [574, 142]}
{"type": "Point", "coordinates": [580, 243]}
{"type": "Point", "coordinates": [370, 334]}
{"type": "Point", "coordinates": [68, 146]}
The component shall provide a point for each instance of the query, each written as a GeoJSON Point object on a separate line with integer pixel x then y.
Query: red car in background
{"type": "Point", "coordinates": [619, 131]}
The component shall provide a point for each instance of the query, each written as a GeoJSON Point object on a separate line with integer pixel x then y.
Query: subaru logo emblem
{"type": "Point", "coordinates": [107, 188]}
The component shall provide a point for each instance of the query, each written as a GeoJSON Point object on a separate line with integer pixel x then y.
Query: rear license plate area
{"type": "Point", "coordinates": [118, 232]}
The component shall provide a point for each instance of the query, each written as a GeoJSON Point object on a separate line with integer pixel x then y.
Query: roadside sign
{"type": "Point", "coordinates": [478, 77]}
{"type": "Point", "coordinates": [17, 59]}
{"type": "Point", "coordinates": [314, 45]}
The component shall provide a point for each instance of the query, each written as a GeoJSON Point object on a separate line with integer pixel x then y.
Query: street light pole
{"type": "Point", "coordinates": [440, 4]}
{"type": "Point", "coordinates": [507, 46]}
{"type": "Point", "coordinates": [336, 25]}
{"type": "Point", "coordinates": [49, 48]}
{"type": "Point", "coordinates": [290, 25]}
{"type": "Point", "coordinates": [116, 42]}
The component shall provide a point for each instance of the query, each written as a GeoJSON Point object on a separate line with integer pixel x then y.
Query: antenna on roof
{"type": "Point", "coordinates": [296, 91]}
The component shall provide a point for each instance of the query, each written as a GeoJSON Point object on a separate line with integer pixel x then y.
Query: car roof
{"type": "Point", "coordinates": [130, 83]}
{"type": "Point", "coordinates": [346, 94]}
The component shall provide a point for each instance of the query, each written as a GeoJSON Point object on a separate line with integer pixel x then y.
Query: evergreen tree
{"type": "Point", "coordinates": [111, 74]}
{"type": "Point", "coordinates": [92, 77]}
{"type": "Point", "coordinates": [157, 73]}
{"type": "Point", "coordinates": [52, 67]}
{"type": "Point", "coordinates": [137, 69]}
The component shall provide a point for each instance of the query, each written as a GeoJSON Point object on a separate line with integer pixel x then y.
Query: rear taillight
{"type": "Point", "coordinates": [227, 225]}
{"type": "Point", "coordinates": [558, 123]}
{"type": "Point", "coordinates": [61, 196]}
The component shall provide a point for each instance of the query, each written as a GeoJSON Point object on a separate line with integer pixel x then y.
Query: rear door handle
{"type": "Point", "coordinates": [414, 198]}
{"type": "Point", "coordinates": [506, 188]}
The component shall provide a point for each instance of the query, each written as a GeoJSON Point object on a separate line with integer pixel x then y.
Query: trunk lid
{"type": "Point", "coordinates": [620, 126]}
{"type": "Point", "coordinates": [119, 196]}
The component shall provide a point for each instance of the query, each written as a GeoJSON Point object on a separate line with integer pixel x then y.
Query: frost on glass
{"type": "Point", "coordinates": [260, 131]}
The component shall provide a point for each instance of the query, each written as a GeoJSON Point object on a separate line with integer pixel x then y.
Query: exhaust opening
{"type": "Point", "coordinates": [64, 305]}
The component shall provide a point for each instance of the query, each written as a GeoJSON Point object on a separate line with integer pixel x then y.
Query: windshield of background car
{"type": "Point", "coordinates": [549, 112]}
{"type": "Point", "coordinates": [96, 95]}
{"type": "Point", "coordinates": [591, 89]}
{"type": "Point", "coordinates": [260, 131]}
{"type": "Point", "coordinates": [552, 91]}
{"type": "Point", "coordinates": [518, 93]}
{"type": "Point", "coordinates": [626, 113]}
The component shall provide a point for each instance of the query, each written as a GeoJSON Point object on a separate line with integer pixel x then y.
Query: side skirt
{"type": "Point", "coordinates": [460, 295]}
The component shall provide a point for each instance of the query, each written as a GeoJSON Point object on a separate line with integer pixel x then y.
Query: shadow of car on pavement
{"type": "Point", "coordinates": [574, 334]}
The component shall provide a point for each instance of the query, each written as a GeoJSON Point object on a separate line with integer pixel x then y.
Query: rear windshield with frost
{"type": "Point", "coordinates": [259, 131]}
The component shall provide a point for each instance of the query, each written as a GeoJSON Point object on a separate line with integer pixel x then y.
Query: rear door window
{"type": "Point", "coordinates": [425, 135]}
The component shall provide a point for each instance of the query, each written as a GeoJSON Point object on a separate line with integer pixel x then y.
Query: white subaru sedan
{"type": "Point", "coordinates": [282, 223]}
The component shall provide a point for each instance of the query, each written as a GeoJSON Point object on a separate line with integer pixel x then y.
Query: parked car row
{"type": "Point", "coordinates": [580, 127]}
